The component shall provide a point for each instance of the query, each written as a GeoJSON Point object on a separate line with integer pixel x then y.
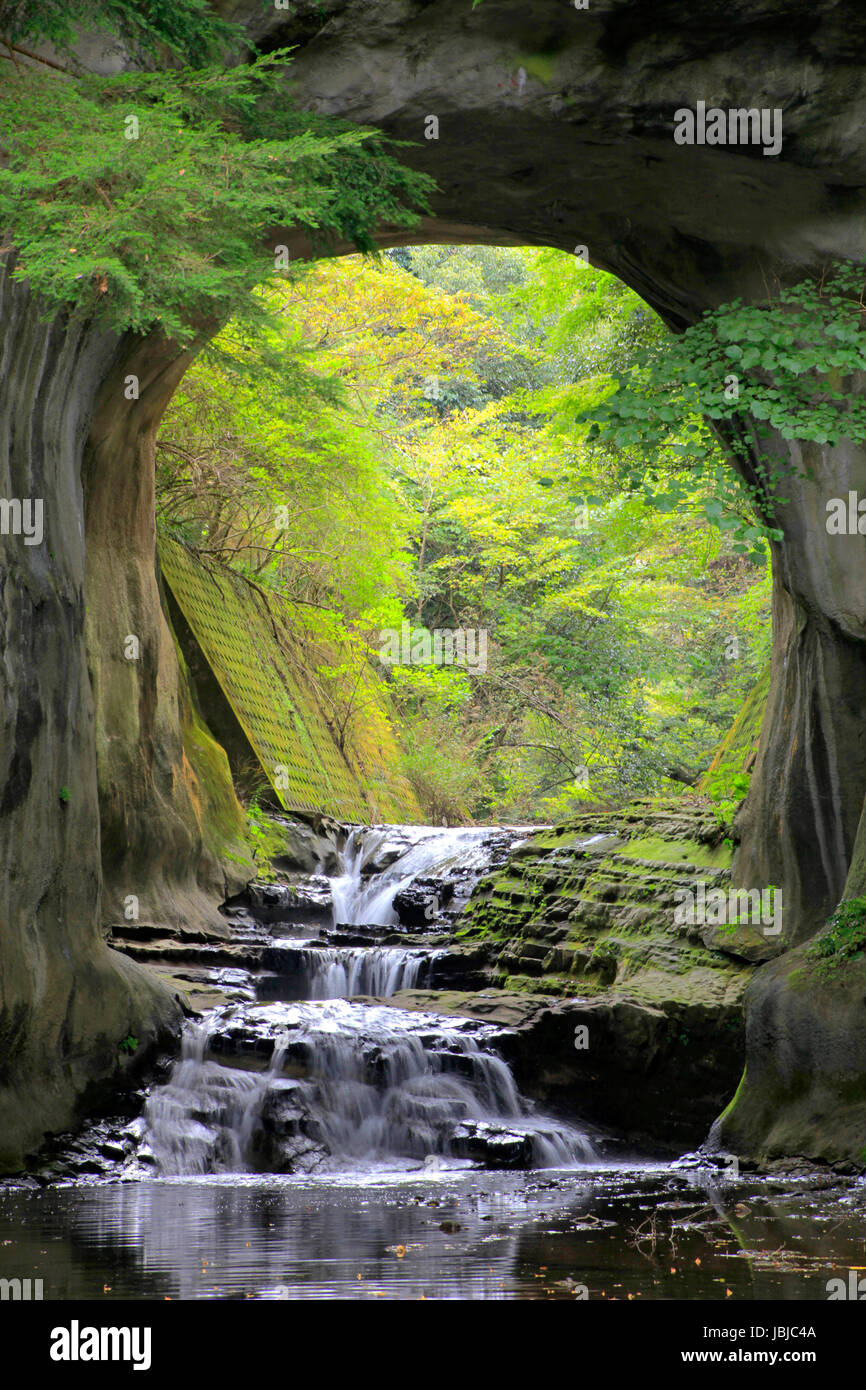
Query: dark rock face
{"type": "Point", "coordinates": [304, 902]}
{"type": "Point", "coordinates": [419, 904]}
{"type": "Point", "coordinates": [167, 807]}
{"type": "Point", "coordinates": [309, 849]}
{"type": "Point", "coordinates": [285, 1139]}
{"type": "Point", "coordinates": [66, 1000]}
{"type": "Point", "coordinates": [556, 125]}
{"type": "Point", "coordinates": [112, 789]}
{"type": "Point", "coordinates": [492, 1145]}
{"type": "Point", "coordinates": [799, 825]}
{"type": "Point", "coordinates": [804, 1089]}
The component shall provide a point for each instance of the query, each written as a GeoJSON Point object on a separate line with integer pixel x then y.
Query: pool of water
{"type": "Point", "coordinates": [607, 1233]}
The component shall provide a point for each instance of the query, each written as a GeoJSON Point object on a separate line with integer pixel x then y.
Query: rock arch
{"type": "Point", "coordinates": [555, 128]}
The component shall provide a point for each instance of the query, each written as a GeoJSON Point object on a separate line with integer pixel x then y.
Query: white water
{"type": "Point", "coordinates": [360, 901]}
{"type": "Point", "coordinates": [377, 1084]}
{"type": "Point", "coordinates": [349, 1083]}
{"type": "Point", "coordinates": [344, 972]}
{"type": "Point", "coordinates": [202, 1120]}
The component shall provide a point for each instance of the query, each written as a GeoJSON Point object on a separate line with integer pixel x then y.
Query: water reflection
{"type": "Point", "coordinates": [644, 1234]}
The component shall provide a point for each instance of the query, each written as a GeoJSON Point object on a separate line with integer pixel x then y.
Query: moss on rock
{"type": "Point", "coordinates": [581, 923]}
{"type": "Point", "coordinates": [591, 905]}
{"type": "Point", "coordinates": [803, 1091]}
{"type": "Point", "coordinates": [736, 754]}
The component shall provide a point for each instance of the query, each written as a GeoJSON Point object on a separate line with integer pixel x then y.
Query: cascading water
{"type": "Point", "coordinates": [328, 1083]}
{"type": "Point", "coordinates": [344, 972]}
{"type": "Point", "coordinates": [346, 1084]}
{"type": "Point", "coordinates": [370, 900]}
{"type": "Point", "coordinates": [202, 1119]}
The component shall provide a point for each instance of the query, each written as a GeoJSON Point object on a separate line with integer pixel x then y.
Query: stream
{"type": "Point", "coordinates": [312, 1140]}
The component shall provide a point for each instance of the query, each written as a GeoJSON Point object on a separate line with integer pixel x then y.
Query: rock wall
{"type": "Point", "coordinates": [158, 845]}
{"type": "Point", "coordinates": [800, 821]}
{"type": "Point", "coordinates": [803, 1092]}
{"type": "Point", "coordinates": [66, 1000]}
{"type": "Point", "coordinates": [581, 925]}
{"type": "Point", "coordinates": [802, 828]}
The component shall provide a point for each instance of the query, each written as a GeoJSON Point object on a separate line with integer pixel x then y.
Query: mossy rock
{"type": "Point", "coordinates": [738, 750]}
{"type": "Point", "coordinates": [603, 887]}
{"type": "Point", "coordinates": [803, 1091]}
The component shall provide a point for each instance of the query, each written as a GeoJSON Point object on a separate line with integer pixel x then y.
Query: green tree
{"type": "Point", "coordinates": [187, 29]}
{"type": "Point", "coordinates": [154, 198]}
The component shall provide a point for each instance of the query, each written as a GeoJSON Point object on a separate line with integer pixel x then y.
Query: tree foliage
{"type": "Point", "coordinates": [782, 369]}
{"type": "Point", "coordinates": [188, 29]}
{"type": "Point", "coordinates": [159, 198]}
{"type": "Point", "coordinates": [421, 442]}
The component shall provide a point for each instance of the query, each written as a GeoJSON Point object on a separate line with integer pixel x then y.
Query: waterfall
{"type": "Point", "coordinates": [369, 901]}
{"type": "Point", "coordinates": [333, 972]}
{"type": "Point", "coordinates": [404, 1097]}
{"type": "Point", "coordinates": [321, 1082]}
{"type": "Point", "coordinates": [201, 1120]}
{"type": "Point", "coordinates": [367, 1084]}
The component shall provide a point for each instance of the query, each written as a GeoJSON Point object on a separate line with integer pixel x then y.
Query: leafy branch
{"type": "Point", "coordinates": [157, 198]}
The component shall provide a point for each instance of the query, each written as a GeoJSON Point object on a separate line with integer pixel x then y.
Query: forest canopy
{"type": "Point", "coordinates": [426, 440]}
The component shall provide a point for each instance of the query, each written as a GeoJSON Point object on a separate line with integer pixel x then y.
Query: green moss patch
{"type": "Point", "coordinates": [267, 666]}
{"type": "Point", "coordinates": [843, 939]}
{"type": "Point", "coordinates": [664, 851]}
